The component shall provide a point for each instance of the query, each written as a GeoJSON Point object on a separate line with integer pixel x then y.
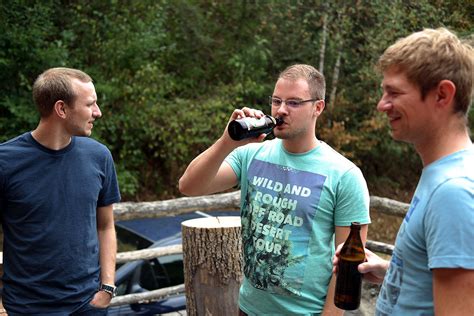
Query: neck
{"type": "Point", "coordinates": [443, 144]}
{"type": "Point", "coordinates": [300, 146]}
{"type": "Point", "coordinates": [51, 136]}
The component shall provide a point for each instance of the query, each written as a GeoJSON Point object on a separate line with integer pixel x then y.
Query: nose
{"type": "Point", "coordinates": [96, 113]}
{"type": "Point", "coordinates": [282, 109]}
{"type": "Point", "coordinates": [384, 104]}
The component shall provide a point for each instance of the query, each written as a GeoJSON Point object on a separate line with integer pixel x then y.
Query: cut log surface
{"type": "Point", "coordinates": [212, 260]}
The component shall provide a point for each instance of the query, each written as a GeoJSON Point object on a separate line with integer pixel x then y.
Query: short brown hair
{"type": "Point", "coordinates": [55, 84]}
{"type": "Point", "coordinates": [315, 80]}
{"type": "Point", "coordinates": [430, 56]}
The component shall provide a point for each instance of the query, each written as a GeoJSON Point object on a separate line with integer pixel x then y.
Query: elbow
{"type": "Point", "coordinates": [186, 188]}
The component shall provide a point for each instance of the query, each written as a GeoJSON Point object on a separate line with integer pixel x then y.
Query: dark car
{"type": "Point", "coordinates": [146, 275]}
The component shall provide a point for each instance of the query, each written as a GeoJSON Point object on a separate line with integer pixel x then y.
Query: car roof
{"type": "Point", "coordinates": [166, 230]}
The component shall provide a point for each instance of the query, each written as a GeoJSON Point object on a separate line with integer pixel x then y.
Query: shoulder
{"type": "Point", "coordinates": [91, 145]}
{"type": "Point", "coordinates": [94, 150]}
{"type": "Point", "coordinates": [14, 142]}
{"type": "Point", "coordinates": [459, 190]}
{"type": "Point", "coordinates": [14, 146]}
{"type": "Point", "coordinates": [452, 178]}
{"type": "Point", "coordinates": [451, 204]}
{"type": "Point", "coordinates": [336, 164]}
{"type": "Point", "coordinates": [336, 158]}
{"type": "Point", "coordinates": [253, 148]}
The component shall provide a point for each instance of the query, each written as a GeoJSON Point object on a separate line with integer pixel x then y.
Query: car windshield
{"type": "Point", "coordinates": [128, 241]}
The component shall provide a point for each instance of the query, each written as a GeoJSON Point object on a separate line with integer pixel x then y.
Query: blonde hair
{"type": "Point", "coordinates": [432, 55]}
{"type": "Point", "coordinates": [55, 84]}
{"type": "Point", "coordinates": [315, 80]}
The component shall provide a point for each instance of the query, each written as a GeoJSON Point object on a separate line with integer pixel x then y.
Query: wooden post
{"type": "Point", "coordinates": [212, 258]}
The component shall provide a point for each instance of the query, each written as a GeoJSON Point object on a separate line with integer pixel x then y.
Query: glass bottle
{"type": "Point", "coordinates": [349, 279]}
{"type": "Point", "coordinates": [249, 127]}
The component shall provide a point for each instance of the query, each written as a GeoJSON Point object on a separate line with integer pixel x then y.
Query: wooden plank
{"type": "Point", "coordinates": [223, 201]}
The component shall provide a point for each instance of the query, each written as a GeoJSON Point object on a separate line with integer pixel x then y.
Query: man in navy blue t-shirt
{"type": "Point", "coordinates": [57, 189]}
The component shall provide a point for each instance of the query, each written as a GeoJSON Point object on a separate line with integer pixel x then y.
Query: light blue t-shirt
{"type": "Point", "coordinates": [437, 232]}
{"type": "Point", "coordinates": [290, 205]}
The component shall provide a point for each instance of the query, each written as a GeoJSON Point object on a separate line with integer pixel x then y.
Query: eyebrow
{"type": "Point", "coordinates": [387, 86]}
{"type": "Point", "coordinates": [291, 98]}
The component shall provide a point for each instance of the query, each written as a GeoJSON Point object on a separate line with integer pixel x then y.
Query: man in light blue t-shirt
{"type": "Point", "coordinates": [427, 91]}
{"type": "Point", "coordinates": [298, 197]}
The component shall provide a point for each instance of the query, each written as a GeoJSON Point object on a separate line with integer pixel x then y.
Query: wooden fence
{"type": "Point", "coordinates": [209, 203]}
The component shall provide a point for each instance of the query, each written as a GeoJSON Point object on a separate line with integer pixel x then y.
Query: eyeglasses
{"type": "Point", "coordinates": [292, 103]}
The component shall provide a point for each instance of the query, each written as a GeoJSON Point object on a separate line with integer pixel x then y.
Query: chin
{"type": "Point", "coordinates": [281, 135]}
{"type": "Point", "coordinates": [84, 133]}
{"type": "Point", "coordinates": [399, 138]}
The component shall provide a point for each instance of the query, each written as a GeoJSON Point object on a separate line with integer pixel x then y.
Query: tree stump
{"type": "Point", "coordinates": [212, 258]}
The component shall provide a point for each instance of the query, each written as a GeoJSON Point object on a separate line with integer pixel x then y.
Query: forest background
{"type": "Point", "coordinates": [168, 74]}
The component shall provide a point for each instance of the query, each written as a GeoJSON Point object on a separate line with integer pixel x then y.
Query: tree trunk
{"type": "Point", "coordinates": [212, 258]}
{"type": "Point", "coordinates": [322, 48]}
{"type": "Point", "coordinates": [335, 78]}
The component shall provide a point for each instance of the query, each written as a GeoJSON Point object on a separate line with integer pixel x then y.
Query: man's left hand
{"type": "Point", "coordinates": [101, 299]}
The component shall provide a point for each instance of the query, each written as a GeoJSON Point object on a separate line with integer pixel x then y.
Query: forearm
{"type": "Point", "coordinates": [107, 254]}
{"type": "Point", "coordinates": [199, 177]}
{"type": "Point", "coordinates": [329, 307]}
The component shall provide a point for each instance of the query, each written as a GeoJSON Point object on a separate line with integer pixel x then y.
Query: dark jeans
{"type": "Point", "coordinates": [89, 310]}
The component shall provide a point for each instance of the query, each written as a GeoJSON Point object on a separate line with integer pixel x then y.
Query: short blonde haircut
{"type": "Point", "coordinates": [315, 80]}
{"type": "Point", "coordinates": [55, 84]}
{"type": "Point", "coordinates": [430, 56]}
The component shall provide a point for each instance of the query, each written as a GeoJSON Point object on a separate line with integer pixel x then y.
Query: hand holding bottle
{"type": "Point", "coordinates": [373, 269]}
{"type": "Point", "coordinates": [251, 124]}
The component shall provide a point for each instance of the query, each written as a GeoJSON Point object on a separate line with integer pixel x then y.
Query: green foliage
{"type": "Point", "coordinates": [26, 48]}
{"type": "Point", "coordinates": [169, 73]}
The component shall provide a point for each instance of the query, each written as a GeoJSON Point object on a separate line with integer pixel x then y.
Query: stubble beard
{"type": "Point", "coordinates": [289, 135]}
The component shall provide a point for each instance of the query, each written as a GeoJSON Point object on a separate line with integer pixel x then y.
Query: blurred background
{"type": "Point", "coordinates": [168, 74]}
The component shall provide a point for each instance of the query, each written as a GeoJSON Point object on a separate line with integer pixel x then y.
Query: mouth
{"type": "Point", "coordinates": [394, 119]}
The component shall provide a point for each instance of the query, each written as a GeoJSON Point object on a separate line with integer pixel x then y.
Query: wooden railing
{"type": "Point", "coordinates": [209, 203]}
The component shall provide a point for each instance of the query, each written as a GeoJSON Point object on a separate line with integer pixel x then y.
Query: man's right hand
{"type": "Point", "coordinates": [373, 269]}
{"type": "Point", "coordinates": [241, 113]}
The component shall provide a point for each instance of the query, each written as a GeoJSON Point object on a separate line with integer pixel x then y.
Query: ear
{"type": "Point", "coordinates": [60, 109]}
{"type": "Point", "coordinates": [318, 109]}
{"type": "Point", "coordinates": [445, 93]}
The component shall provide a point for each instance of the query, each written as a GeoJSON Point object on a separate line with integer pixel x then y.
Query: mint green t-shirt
{"type": "Point", "coordinates": [290, 205]}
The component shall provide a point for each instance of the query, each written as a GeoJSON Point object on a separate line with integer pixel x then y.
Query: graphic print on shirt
{"type": "Point", "coordinates": [413, 205]}
{"type": "Point", "coordinates": [390, 290]}
{"type": "Point", "coordinates": [277, 215]}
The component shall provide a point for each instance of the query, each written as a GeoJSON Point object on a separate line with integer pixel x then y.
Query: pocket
{"type": "Point", "coordinates": [97, 307]}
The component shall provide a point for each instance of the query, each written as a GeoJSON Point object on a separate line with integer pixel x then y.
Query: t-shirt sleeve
{"type": "Point", "coordinates": [449, 225]}
{"type": "Point", "coordinates": [352, 200]}
{"type": "Point", "coordinates": [234, 159]}
{"type": "Point", "coordinates": [110, 192]}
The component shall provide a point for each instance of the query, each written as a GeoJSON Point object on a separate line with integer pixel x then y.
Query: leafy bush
{"type": "Point", "coordinates": [169, 73]}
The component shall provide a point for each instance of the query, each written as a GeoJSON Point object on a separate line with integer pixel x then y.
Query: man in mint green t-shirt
{"type": "Point", "coordinates": [298, 198]}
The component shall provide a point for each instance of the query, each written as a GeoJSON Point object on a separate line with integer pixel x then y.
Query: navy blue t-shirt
{"type": "Point", "coordinates": [48, 205]}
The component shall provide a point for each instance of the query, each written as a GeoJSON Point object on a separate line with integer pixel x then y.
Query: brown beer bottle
{"type": "Point", "coordinates": [349, 279]}
{"type": "Point", "coordinates": [249, 127]}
